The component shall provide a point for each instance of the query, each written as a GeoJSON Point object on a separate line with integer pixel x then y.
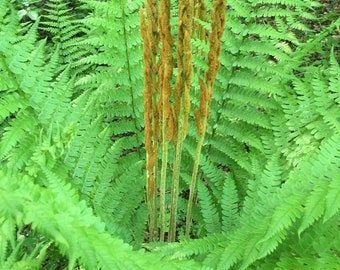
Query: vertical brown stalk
{"type": "Point", "coordinates": [150, 35]}
{"type": "Point", "coordinates": [182, 99]}
{"type": "Point", "coordinates": [164, 121]}
{"type": "Point", "coordinates": [201, 15]}
{"type": "Point", "coordinates": [202, 114]}
{"type": "Point", "coordinates": [165, 76]}
{"type": "Point", "coordinates": [218, 23]}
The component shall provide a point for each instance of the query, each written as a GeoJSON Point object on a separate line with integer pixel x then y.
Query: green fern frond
{"type": "Point", "coordinates": [290, 3]}
{"type": "Point", "coordinates": [311, 249]}
{"type": "Point", "coordinates": [18, 156]}
{"type": "Point", "coordinates": [117, 203]}
{"type": "Point", "coordinates": [311, 117]}
{"type": "Point", "coordinates": [214, 175]}
{"type": "Point", "coordinates": [76, 231]}
{"type": "Point", "coordinates": [15, 132]}
{"type": "Point", "coordinates": [64, 30]}
{"type": "Point", "coordinates": [190, 248]}
{"type": "Point", "coordinates": [229, 205]}
{"type": "Point", "coordinates": [8, 27]}
{"type": "Point", "coordinates": [235, 150]}
{"type": "Point", "coordinates": [332, 199]}
{"type": "Point", "coordinates": [81, 147]}
{"type": "Point", "coordinates": [22, 50]}
{"type": "Point", "coordinates": [272, 225]}
{"type": "Point", "coordinates": [10, 104]}
{"type": "Point", "coordinates": [71, 140]}
{"type": "Point", "coordinates": [7, 239]}
{"type": "Point", "coordinates": [248, 85]}
{"type": "Point", "coordinates": [33, 69]}
{"type": "Point", "coordinates": [324, 175]}
{"type": "Point", "coordinates": [14, 257]}
{"type": "Point", "coordinates": [243, 132]}
{"type": "Point", "coordinates": [209, 208]}
{"type": "Point", "coordinates": [58, 100]}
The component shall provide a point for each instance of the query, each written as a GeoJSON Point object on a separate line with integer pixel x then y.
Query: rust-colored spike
{"type": "Point", "coordinates": [170, 126]}
{"type": "Point", "coordinates": [153, 13]}
{"type": "Point", "coordinates": [149, 34]}
{"type": "Point", "coordinates": [184, 61]}
{"type": "Point", "coordinates": [166, 59]}
{"type": "Point", "coordinates": [178, 92]}
{"type": "Point", "coordinates": [203, 99]}
{"type": "Point", "coordinates": [199, 126]}
{"type": "Point", "coordinates": [147, 123]}
{"type": "Point", "coordinates": [152, 159]}
{"type": "Point", "coordinates": [218, 22]}
{"type": "Point", "coordinates": [151, 187]}
{"type": "Point", "coordinates": [201, 14]}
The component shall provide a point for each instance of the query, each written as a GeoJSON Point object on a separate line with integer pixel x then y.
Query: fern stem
{"type": "Point", "coordinates": [175, 175]}
{"type": "Point", "coordinates": [202, 115]}
{"type": "Point", "coordinates": [150, 38]}
{"type": "Point", "coordinates": [163, 186]}
{"type": "Point", "coordinates": [129, 76]}
{"type": "Point", "coordinates": [165, 76]}
{"type": "Point", "coordinates": [152, 203]}
{"type": "Point", "coordinates": [152, 220]}
{"type": "Point", "coordinates": [193, 185]}
{"type": "Point", "coordinates": [181, 98]}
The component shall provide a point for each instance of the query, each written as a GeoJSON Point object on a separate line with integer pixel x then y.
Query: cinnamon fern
{"type": "Point", "coordinates": [262, 190]}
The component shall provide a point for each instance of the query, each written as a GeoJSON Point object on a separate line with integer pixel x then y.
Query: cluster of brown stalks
{"type": "Point", "coordinates": [167, 121]}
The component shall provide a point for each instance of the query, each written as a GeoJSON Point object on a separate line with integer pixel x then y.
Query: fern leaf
{"type": "Point", "coordinates": [10, 104]}
{"type": "Point", "coordinates": [326, 161]}
{"type": "Point", "coordinates": [13, 133]}
{"type": "Point", "coordinates": [19, 156]}
{"type": "Point", "coordinates": [45, 208]}
{"type": "Point", "coordinates": [188, 248]}
{"type": "Point", "coordinates": [56, 106]}
{"type": "Point", "coordinates": [17, 63]}
{"type": "Point", "coordinates": [332, 199]}
{"type": "Point", "coordinates": [230, 215]}
{"type": "Point", "coordinates": [209, 210]}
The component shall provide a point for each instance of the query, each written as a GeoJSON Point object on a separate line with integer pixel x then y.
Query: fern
{"type": "Point", "coordinates": [71, 141]}
{"type": "Point", "coordinates": [19, 247]}
{"type": "Point", "coordinates": [110, 126]}
{"type": "Point", "coordinates": [229, 205]}
{"type": "Point", "coordinates": [64, 30]}
{"type": "Point", "coordinates": [68, 228]}
{"type": "Point", "coordinates": [271, 227]}
{"type": "Point", "coordinates": [209, 210]}
{"type": "Point", "coordinates": [279, 201]}
{"type": "Point", "coordinates": [246, 87]}
{"type": "Point", "coordinates": [40, 147]}
{"type": "Point", "coordinates": [122, 203]}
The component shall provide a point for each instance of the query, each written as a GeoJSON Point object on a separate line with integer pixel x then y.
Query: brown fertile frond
{"type": "Point", "coordinates": [217, 28]}
{"type": "Point", "coordinates": [149, 32]}
{"type": "Point", "coordinates": [201, 14]}
{"type": "Point", "coordinates": [184, 59]}
{"type": "Point", "coordinates": [166, 61]}
{"type": "Point", "coordinates": [170, 127]}
{"type": "Point", "coordinates": [153, 13]}
{"type": "Point", "coordinates": [204, 99]}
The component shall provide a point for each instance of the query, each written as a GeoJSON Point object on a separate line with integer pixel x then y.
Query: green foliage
{"type": "Point", "coordinates": [78, 233]}
{"type": "Point", "coordinates": [60, 23]}
{"type": "Point", "coordinates": [72, 172]}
